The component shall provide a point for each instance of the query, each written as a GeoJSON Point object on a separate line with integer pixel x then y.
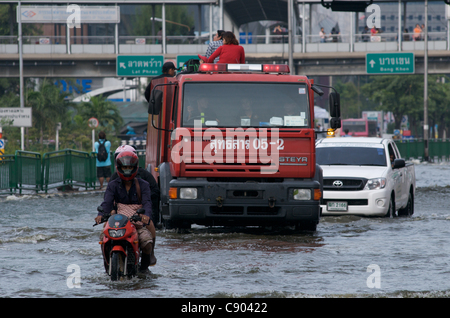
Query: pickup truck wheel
{"type": "Point", "coordinates": [391, 211]}
{"type": "Point", "coordinates": [408, 210]}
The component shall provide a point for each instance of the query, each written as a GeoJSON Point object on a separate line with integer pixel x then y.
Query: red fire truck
{"type": "Point", "coordinates": [234, 144]}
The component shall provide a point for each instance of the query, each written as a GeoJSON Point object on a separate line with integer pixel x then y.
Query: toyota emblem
{"type": "Point", "coordinates": [338, 184]}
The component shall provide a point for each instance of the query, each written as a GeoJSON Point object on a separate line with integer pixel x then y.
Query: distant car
{"type": "Point", "coordinates": [365, 176]}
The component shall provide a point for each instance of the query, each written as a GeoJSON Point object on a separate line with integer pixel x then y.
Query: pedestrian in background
{"type": "Point", "coordinates": [406, 35]}
{"type": "Point", "coordinates": [322, 35]}
{"type": "Point", "coordinates": [417, 32]}
{"type": "Point", "coordinates": [216, 43]}
{"type": "Point", "coordinates": [103, 160]}
{"type": "Point", "coordinates": [365, 36]}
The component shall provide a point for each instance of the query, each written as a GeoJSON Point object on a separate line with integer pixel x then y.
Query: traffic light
{"type": "Point", "coordinates": [347, 5]}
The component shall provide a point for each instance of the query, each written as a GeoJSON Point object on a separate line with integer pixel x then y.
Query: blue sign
{"type": "Point", "coordinates": [84, 84]}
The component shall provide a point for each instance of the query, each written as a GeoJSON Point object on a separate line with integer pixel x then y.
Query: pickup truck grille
{"type": "Point", "coordinates": [343, 184]}
{"type": "Point", "coordinates": [349, 201]}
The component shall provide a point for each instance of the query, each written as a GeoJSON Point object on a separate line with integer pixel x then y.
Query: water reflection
{"type": "Point", "coordinates": [248, 239]}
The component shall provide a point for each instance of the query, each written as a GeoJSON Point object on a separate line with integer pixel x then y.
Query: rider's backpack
{"type": "Point", "coordinates": [102, 154]}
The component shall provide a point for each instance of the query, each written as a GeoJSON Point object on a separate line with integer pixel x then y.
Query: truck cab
{"type": "Point", "coordinates": [234, 144]}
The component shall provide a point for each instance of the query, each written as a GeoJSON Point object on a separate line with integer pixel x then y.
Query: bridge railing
{"type": "Point", "coordinates": [361, 42]}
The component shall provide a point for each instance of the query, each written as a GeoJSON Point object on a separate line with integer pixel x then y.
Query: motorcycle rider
{"type": "Point", "coordinates": [154, 189]}
{"type": "Point", "coordinates": [147, 176]}
{"type": "Point", "coordinates": [127, 194]}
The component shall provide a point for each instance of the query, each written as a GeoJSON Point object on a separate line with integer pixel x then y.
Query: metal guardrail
{"type": "Point", "coordinates": [28, 171]}
{"type": "Point", "coordinates": [7, 176]}
{"type": "Point", "coordinates": [68, 167]}
{"type": "Point", "coordinates": [438, 149]}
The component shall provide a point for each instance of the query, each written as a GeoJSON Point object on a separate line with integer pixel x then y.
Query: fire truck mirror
{"type": "Point", "coordinates": [317, 90]}
{"type": "Point", "coordinates": [335, 105]}
{"type": "Point", "coordinates": [335, 123]}
{"type": "Point", "coordinates": [155, 102]}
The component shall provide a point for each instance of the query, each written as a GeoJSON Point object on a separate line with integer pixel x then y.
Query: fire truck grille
{"type": "Point", "coordinates": [239, 210]}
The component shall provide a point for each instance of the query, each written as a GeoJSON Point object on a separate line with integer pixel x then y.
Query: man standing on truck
{"type": "Point", "coordinates": [168, 70]}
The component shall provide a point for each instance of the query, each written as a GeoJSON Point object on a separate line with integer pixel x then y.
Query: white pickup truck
{"type": "Point", "coordinates": [365, 176]}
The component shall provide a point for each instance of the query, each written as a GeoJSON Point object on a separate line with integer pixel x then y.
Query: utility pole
{"type": "Point", "coordinates": [20, 38]}
{"type": "Point", "coordinates": [290, 44]}
{"type": "Point", "coordinates": [425, 87]}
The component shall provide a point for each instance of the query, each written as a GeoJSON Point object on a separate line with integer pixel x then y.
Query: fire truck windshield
{"type": "Point", "coordinates": [238, 104]}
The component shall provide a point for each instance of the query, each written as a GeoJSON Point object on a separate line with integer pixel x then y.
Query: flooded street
{"type": "Point", "coordinates": [43, 239]}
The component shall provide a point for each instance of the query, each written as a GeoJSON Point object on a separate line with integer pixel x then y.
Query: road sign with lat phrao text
{"type": "Point", "coordinates": [390, 63]}
{"type": "Point", "coordinates": [139, 65]}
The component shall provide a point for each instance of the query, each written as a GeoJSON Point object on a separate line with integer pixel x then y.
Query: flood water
{"type": "Point", "coordinates": [44, 238]}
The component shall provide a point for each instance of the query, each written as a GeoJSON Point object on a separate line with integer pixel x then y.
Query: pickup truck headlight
{"type": "Point", "coordinates": [375, 184]}
{"type": "Point", "coordinates": [302, 194]}
{"type": "Point", "coordinates": [188, 193]}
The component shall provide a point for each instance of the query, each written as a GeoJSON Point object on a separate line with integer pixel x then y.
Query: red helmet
{"type": "Point", "coordinates": [129, 160]}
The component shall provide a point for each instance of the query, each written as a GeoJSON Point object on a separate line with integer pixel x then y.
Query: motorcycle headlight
{"type": "Point", "coordinates": [375, 184]}
{"type": "Point", "coordinates": [116, 233]}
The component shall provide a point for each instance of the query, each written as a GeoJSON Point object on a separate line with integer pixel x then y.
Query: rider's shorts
{"type": "Point", "coordinates": [145, 238]}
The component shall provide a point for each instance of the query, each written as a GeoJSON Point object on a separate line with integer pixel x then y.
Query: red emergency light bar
{"type": "Point", "coordinates": [265, 68]}
{"type": "Point", "coordinates": [208, 67]}
{"type": "Point", "coordinates": [275, 68]}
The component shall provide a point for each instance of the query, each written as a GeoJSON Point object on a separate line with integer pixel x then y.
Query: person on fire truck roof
{"type": "Point", "coordinates": [230, 52]}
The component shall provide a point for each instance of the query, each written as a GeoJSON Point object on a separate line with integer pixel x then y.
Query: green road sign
{"type": "Point", "coordinates": [390, 63]}
{"type": "Point", "coordinates": [181, 59]}
{"type": "Point", "coordinates": [139, 65]}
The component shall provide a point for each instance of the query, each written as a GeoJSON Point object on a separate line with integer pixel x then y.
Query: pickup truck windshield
{"type": "Point", "coordinates": [351, 156]}
{"type": "Point", "coordinates": [238, 104]}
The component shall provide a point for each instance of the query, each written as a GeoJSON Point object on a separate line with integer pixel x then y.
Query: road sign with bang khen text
{"type": "Point", "coordinates": [390, 63]}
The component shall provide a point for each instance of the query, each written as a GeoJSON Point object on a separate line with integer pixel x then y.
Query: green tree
{"type": "Point", "coordinates": [9, 26]}
{"type": "Point", "coordinates": [49, 106]}
{"type": "Point", "coordinates": [350, 104]}
{"type": "Point", "coordinates": [403, 95]}
{"type": "Point", "coordinates": [107, 114]}
{"type": "Point", "coordinates": [399, 94]}
{"type": "Point", "coordinates": [105, 111]}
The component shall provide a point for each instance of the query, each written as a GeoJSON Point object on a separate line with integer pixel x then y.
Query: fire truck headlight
{"type": "Point", "coordinates": [302, 194]}
{"type": "Point", "coordinates": [188, 193]}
